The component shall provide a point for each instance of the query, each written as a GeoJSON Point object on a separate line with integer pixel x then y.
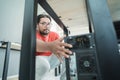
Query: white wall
{"type": "Point", "coordinates": [11, 20]}
{"type": "Point", "coordinates": [11, 23]}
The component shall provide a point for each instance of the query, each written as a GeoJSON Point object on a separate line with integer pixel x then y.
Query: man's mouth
{"type": "Point", "coordinates": [46, 31]}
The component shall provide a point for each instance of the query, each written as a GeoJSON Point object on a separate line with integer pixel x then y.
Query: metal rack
{"type": "Point", "coordinates": [27, 59]}
{"type": "Point", "coordinates": [101, 22]}
{"type": "Point", "coordinates": [6, 60]}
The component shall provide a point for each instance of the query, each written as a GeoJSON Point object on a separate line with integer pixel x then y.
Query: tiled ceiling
{"type": "Point", "coordinates": [73, 13]}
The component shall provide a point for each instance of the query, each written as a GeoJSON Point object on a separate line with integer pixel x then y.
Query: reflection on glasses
{"type": "Point", "coordinates": [45, 24]}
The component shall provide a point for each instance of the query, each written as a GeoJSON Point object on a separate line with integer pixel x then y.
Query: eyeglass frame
{"type": "Point", "coordinates": [45, 24]}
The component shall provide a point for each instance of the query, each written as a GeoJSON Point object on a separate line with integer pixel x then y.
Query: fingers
{"type": "Point", "coordinates": [59, 57]}
{"type": "Point", "coordinates": [62, 53]}
{"type": "Point", "coordinates": [66, 45]}
{"type": "Point", "coordinates": [62, 50]}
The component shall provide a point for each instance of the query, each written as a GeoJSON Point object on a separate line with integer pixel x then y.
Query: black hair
{"type": "Point", "coordinates": [42, 16]}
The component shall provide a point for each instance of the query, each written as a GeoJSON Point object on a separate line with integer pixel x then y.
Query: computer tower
{"type": "Point", "coordinates": [86, 59]}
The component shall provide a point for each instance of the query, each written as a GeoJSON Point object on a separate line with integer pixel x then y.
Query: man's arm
{"type": "Point", "coordinates": [57, 47]}
{"type": "Point", "coordinates": [42, 46]}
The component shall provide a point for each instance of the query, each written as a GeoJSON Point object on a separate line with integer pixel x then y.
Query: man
{"type": "Point", "coordinates": [47, 42]}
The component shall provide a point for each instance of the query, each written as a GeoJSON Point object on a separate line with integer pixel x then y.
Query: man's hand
{"type": "Point", "coordinates": [58, 48]}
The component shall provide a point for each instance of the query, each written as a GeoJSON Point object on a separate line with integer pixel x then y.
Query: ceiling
{"type": "Point", "coordinates": [73, 13]}
{"type": "Point", "coordinates": [114, 6]}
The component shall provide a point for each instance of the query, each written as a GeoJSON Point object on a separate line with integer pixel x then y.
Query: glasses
{"type": "Point", "coordinates": [45, 24]}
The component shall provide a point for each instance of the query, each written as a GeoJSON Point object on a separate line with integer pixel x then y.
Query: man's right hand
{"type": "Point", "coordinates": [58, 48]}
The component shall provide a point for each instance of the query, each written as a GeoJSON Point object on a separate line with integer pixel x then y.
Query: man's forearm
{"type": "Point", "coordinates": [42, 46]}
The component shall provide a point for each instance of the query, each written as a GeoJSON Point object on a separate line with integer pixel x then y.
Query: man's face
{"type": "Point", "coordinates": [44, 26]}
